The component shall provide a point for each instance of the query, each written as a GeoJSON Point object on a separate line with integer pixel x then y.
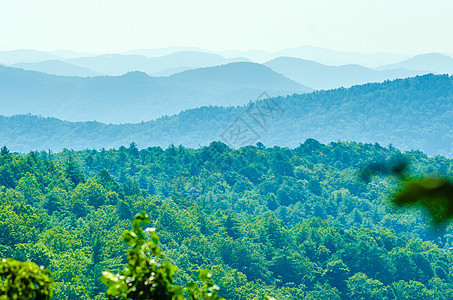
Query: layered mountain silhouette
{"type": "Point", "coordinates": [119, 64]}
{"type": "Point", "coordinates": [319, 76]}
{"type": "Point", "coordinates": [431, 62]}
{"type": "Point", "coordinates": [312, 66]}
{"type": "Point", "coordinates": [412, 113]}
{"type": "Point", "coordinates": [136, 96]}
{"type": "Point", "coordinates": [57, 67]}
{"type": "Point", "coordinates": [321, 55]}
{"type": "Point", "coordinates": [25, 56]}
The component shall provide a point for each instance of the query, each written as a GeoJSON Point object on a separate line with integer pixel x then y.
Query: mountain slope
{"type": "Point", "coordinates": [252, 75]}
{"type": "Point", "coordinates": [136, 96]}
{"type": "Point", "coordinates": [119, 64]}
{"type": "Point", "coordinates": [321, 55]}
{"type": "Point", "coordinates": [319, 76]}
{"type": "Point", "coordinates": [156, 52]}
{"type": "Point", "coordinates": [67, 54]}
{"type": "Point", "coordinates": [432, 62]}
{"type": "Point", "coordinates": [332, 57]}
{"type": "Point", "coordinates": [57, 67]}
{"type": "Point", "coordinates": [413, 113]}
{"type": "Point", "coordinates": [25, 55]}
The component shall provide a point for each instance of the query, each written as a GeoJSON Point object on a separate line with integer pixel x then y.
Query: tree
{"type": "Point", "coordinates": [360, 287]}
{"type": "Point", "coordinates": [91, 193]}
{"type": "Point", "coordinates": [4, 151]}
{"type": "Point", "coordinates": [29, 187]}
{"type": "Point", "coordinates": [232, 225]}
{"type": "Point", "coordinates": [412, 290]}
{"type": "Point", "coordinates": [337, 273]}
{"type": "Point", "coordinates": [323, 291]}
{"type": "Point", "coordinates": [73, 172]}
{"type": "Point", "coordinates": [260, 146]}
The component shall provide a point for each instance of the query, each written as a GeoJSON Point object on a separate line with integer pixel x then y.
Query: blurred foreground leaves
{"type": "Point", "coordinates": [146, 278]}
{"type": "Point", "coordinates": [24, 280]}
{"type": "Point", "coordinates": [433, 193]}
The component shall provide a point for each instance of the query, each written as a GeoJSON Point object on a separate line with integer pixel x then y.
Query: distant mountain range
{"type": "Point", "coordinates": [310, 66]}
{"type": "Point", "coordinates": [25, 56]}
{"type": "Point", "coordinates": [64, 62]}
{"type": "Point", "coordinates": [319, 76]}
{"type": "Point", "coordinates": [412, 113]}
{"type": "Point", "coordinates": [57, 67]}
{"type": "Point", "coordinates": [432, 62]}
{"type": "Point", "coordinates": [321, 55]}
{"type": "Point", "coordinates": [116, 64]}
{"type": "Point", "coordinates": [136, 96]}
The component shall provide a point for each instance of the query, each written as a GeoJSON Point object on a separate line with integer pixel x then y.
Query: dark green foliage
{"type": "Point", "coordinates": [336, 274]}
{"type": "Point", "coordinates": [4, 151]}
{"type": "Point", "coordinates": [73, 173]}
{"type": "Point", "coordinates": [434, 193]}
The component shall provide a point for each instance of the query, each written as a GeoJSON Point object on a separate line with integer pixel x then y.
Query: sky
{"type": "Point", "coordinates": [111, 26]}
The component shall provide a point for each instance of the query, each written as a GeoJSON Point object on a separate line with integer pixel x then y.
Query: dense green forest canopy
{"type": "Point", "coordinates": [284, 222]}
{"type": "Point", "coordinates": [412, 113]}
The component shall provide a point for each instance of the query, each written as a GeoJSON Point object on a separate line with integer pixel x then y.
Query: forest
{"type": "Point", "coordinates": [411, 113]}
{"type": "Point", "coordinates": [287, 223]}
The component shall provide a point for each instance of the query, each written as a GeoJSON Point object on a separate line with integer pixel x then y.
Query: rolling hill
{"type": "Point", "coordinates": [414, 113]}
{"type": "Point", "coordinates": [25, 56]}
{"type": "Point", "coordinates": [136, 96]}
{"type": "Point", "coordinates": [57, 67]}
{"type": "Point", "coordinates": [432, 62]}
{"type": "Point", "coordinates": [321, 55]}
{"type": "Point", "coordinates": [119, 64]}
{"type": "Point", "coordinates": [319, 76]}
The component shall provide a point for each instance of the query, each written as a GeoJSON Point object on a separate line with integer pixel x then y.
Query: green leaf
{"type": "Point", "coordinates": [204, 275]}
{"type": "Point", "coordinates": [191, 287]}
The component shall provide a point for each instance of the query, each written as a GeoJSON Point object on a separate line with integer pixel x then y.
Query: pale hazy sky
{"type": "Point", "coordinates": [397, 26]}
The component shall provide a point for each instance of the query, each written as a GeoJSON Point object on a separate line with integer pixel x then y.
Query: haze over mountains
{"type": "Point", "coordinates": [321, 55]}
{"type": "Point", "coordinates": [25, 56]}
{"type": "Point", "coordinates": [433, 62]}
{"type": "Point", "coordinates": [57, 67]}
{"type": "Point", "coordinates": [314, 67]}
{"type": "Point", "coordinates": [109, 89]}
{"type": "Point", "coordinates": [116, 64]}
{"type": "Point", "coordinates": [319, 76]}
{"type": "Point", "coordinates": [167, 61]}
{"type": "Point", "coordinates": [413, 113]}
{"type": "Point", "coordinates": [136, 96]}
